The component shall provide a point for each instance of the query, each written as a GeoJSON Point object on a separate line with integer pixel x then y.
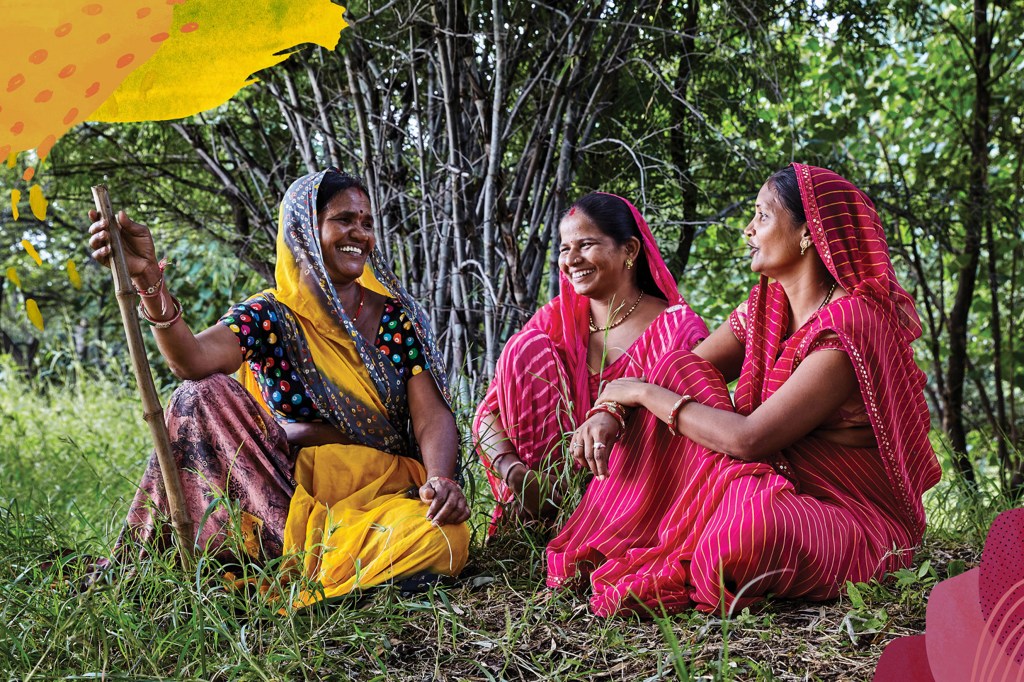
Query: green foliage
{"type": "Point", "coordinates": [71, 452]}
{"type": "Point", "coordinates": [689, 123]}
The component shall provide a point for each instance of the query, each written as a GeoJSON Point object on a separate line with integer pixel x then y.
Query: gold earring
{"type": "Point", "coordinates": [805, 244]}
{"type": "Point", "coordinates": [629, 263]}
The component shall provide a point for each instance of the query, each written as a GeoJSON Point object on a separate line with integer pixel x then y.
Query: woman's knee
{"type": "Point", "coordinates": [528, 345]}
{"type": "Point", "coordinates": [214, 390]}
{"type": "Point", "coordinates": [685, 372]}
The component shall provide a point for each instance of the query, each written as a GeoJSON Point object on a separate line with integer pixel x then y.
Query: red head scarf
{"type": "Point", "coordinates": [876, 323]}
{"type": "Point", "coordinates": [566, 318]}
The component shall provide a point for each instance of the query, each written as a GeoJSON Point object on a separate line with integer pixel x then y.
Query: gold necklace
{"type": "Point", "coordinates": [828, 296]}
{"type": "Point", "coordinates": [595, 328]}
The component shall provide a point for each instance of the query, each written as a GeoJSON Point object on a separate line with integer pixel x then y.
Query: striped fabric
{"type": "Point", "coordinates": [542, 387]}
{"type": "Point", "coordinates": [531, 391]}
{"type": "Point", "coordinates": [676, 525]}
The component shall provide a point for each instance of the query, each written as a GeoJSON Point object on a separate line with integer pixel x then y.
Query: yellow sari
{"type": "Point", "coordinates": [355, 519]}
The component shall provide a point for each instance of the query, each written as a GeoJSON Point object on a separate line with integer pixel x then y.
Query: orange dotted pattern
{"type": "Point", "coordinates": [54, 74]}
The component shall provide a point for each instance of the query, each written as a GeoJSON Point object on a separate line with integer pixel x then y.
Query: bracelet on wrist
{"type": "Point", "coordinates": [153, 289]}
{"type": "Point", "coordinates": [607, 409]}
{"type": "Point", "coordinates": [508, 472]}
{"type": "Point", "coordinates": [161, 324]}
{"type": "Point", "coordinates": [496, 467]}
{"type": "Point", "coordinates": [673, 415]}
{"type": "Point", "coordinates": [434, 479]}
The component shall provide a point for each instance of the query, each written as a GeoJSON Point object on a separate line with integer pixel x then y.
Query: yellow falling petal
{"type": "Point", "coordinates": [12, 159]}
{"type": "Point", "coordinates": [32, 251]}
{"type": "Point", "coordinates": [38, 202]}
{"type": "Point", "coordinates": [15, 199]}
{"type": "Point", "coordinates": [12, 275]}
{"type": "Point", "coordinates": [34, 316]}
{"type": "Point", "coordinates": [76, 281]}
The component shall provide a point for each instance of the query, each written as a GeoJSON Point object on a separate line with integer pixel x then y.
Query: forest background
{"type": "Point", "coordinates": [476, 124]}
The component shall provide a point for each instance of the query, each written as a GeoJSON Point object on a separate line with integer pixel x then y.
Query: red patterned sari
{"type": "Point", "coordinates": [542, 387]}
{"type": "Point", "coordinates": [677, 525]}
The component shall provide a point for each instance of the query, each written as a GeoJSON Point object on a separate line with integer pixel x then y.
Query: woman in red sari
{"type": "Point", "coordinates": [618, 311]}
{"type": "Point", "coordinates": [813, 476]}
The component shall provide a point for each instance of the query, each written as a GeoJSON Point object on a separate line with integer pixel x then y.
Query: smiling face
{"type": "Point", "coordinates": [592, 261]}
{"type": "Point", "coordinates": [346, 234]}
{"type": "Point", "coordinates": [773, 236]}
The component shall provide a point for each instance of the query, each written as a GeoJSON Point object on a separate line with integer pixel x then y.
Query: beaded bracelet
{"type": "Point", "coordinates": [161, 324]}
{"type": "Point", "coordinates": [673, 415]}
{"type": "Point", "coordinates": [153, 289]}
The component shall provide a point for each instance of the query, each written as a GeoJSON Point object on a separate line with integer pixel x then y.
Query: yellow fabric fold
{"type": "Point", "coordinates": [354, 525]}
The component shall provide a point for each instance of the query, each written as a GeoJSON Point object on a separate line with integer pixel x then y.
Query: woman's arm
{"type": "Point", "coordinates": [433, 425]}
{"type": "Point", "coordinates": [190, 356]}
{"type": "Point", "coordinates": [538, 492]}
{"type": "Point", "coordinates": [818, 387]}
{"type": "Point", "coordinates": [723, 350]}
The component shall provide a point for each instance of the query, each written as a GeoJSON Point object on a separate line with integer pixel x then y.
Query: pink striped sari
{"type": "Point", "coordinates": [676, 525]}
{"type": "Point", "coordinates": [542, 387]}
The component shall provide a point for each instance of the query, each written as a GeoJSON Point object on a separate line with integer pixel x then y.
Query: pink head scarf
{"type": "Point", "coordinates": [566, 318]}
{"type": "Point", "coordinates": [876, 323]}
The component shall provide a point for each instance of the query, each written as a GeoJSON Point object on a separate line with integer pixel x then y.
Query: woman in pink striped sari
{"type": "Point", "coordinates": [618, 312]}
{"type": "Point", "coordinates": [812, 476]}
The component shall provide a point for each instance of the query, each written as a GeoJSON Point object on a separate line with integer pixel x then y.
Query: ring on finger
{"type": "Point", "coordinates": [598, 445]}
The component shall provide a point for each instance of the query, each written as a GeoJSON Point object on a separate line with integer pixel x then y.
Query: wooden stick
{"type": "Point", "coordinates": [153, 412]}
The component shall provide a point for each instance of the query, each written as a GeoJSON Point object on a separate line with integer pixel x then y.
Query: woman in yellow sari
{"type": "Point", "coordinates": [339, 444]}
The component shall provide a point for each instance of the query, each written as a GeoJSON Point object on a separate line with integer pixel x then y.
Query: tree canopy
{"type": "Point", "coordinates": [476, 124]}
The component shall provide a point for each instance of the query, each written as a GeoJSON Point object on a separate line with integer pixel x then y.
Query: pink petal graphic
{"type": "Point", "coordinates": [904, 660]}
{"type": "Point", "coordinates": [1001, 584]}
{"type": "Point", "coordinates": [954, 627]}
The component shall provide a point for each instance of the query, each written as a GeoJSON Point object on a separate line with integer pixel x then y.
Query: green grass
{"type": "Point", "coordinates": [69, 459]}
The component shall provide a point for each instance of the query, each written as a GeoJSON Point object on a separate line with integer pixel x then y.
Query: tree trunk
{"type": "Point", "coordinates": [976, 217]}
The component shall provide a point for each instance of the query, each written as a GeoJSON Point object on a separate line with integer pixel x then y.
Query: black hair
{"type": "Point", "coordinates": [334, 182]}
{"type": "Point", "coordinates": [614, 218]}
{"type": "Point", "coordinates": [787, 188]}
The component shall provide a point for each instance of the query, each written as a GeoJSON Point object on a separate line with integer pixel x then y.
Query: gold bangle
{"type": "Point", "coordinates": [673, 415]}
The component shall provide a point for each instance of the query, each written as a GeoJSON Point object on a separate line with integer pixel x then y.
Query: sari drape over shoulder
{"type": "Point", "coordinates": [542, 386]}
{"type": "Point", "coordinates": [800, 522]}
{"type": "Point", "coordinates": [350, 515]}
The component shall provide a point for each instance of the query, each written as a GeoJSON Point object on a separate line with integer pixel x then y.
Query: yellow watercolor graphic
{"type": "Point", "coordinates": [12, 275]}
{"type": "Point", "coordinates": [73, 276]}
{"type": "Point", "coordinates": [60, 59]}
{"type": "Point", "coordinates": [34, 316]}
{"type": "Point", "coordinates": [63, 62]}
{"type": "Point", "coordinates": [213, 48]}
{"type": "Point", "coordinates": [31, 250]}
